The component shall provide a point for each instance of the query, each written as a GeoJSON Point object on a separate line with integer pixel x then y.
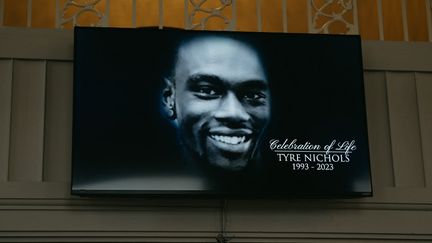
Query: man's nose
{"type": "Point", "coordinates": [231, 109]}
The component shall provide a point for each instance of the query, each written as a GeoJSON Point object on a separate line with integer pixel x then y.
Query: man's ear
{"type": "Point", "coordinates": [168, 99]}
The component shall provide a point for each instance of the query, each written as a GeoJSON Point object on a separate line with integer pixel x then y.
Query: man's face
{"type": "Point", "coordinates": [222, 100]}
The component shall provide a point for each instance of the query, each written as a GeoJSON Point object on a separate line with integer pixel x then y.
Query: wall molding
{"type": "Point", "coordinates": [397, 56]}
{"type": "Point", "coordinates": [164, 236]}
{"type": "Point", "coordinates": [57, 44]}
{"type": "Point", "coordinates": [28, 43]}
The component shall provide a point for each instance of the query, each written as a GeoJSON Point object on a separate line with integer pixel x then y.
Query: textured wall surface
{"type": "Point", "coordinates": [35, 156]}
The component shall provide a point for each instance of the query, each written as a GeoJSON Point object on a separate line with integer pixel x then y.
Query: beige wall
{"type": "Point", "coordinates": [35, 150]}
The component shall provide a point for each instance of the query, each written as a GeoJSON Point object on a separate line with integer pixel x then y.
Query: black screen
{"type": "Point", "coordinates": [173, 112]}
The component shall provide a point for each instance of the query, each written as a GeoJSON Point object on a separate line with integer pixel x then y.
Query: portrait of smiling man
{"type": "Point", "coordinates": [218, 98]}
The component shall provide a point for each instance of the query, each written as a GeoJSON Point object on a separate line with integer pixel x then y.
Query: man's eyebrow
{"type": "Point", "coordinates": [253, 84]}
{"type": "Point", "coordinates": [248, 84]}
{"type": "Point", "coordinates": [204, 77]}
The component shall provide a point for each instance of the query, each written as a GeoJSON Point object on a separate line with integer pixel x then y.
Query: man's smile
{"type": "Point", "coordinates": [230, 140]}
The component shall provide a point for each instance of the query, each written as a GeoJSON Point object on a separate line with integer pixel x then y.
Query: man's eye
{"type": "Point", "coordinates": [207, 92]}
{"type": "Point", "coordinates": [255, 97]}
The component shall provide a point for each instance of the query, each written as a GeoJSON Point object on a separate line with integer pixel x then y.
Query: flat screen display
{"type": "Point", "coordinates": [215, 113]}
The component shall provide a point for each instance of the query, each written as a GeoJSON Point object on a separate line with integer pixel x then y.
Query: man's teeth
{"type": "Point", "coordinates": [229, 139]}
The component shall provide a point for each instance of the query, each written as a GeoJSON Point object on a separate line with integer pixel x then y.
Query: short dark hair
{"type": "Point", "coordinates": [174, 38]}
